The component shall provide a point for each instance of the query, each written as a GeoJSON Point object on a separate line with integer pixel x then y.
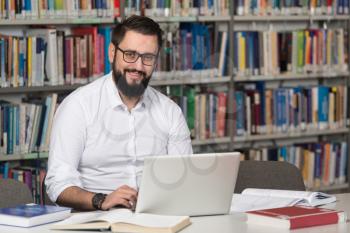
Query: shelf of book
{"type": "Point", "coordinates": [209, 141]}
{"type": "Point", "coordinates": [286, 77]}
{"type": "Point", "coordinates": [23, 90]}
{"type": "Point", "coordinates": [331, 187]}
{"type": "Point", "coordinates": [329, 17]}
{"type": "Point", "coordinates": [179, 19]}
{"type": "Point", "coordinates": [64, 21]}
{"type": "Point", "coordinates": [310, 133]}
{"type": "Point", "coordinates": [189, 80]}
{"type": "Point", "coordinates": [30, 156]}
{"type": "Point", "coordinates": [154, 82]}
{"type": "Point", "coordinates": [213, 18]}
{"type": "Point", "coordinates": [247, 18]}
{"type": "Point", "coordinates": [44, 155]}
{"type": "Point", "coordinates": [174, 19]}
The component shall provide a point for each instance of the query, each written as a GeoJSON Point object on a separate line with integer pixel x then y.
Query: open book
{"type": "Point", "coordinates": [256, 199]}
{"type": "Point", "coordinates": [123, 220]}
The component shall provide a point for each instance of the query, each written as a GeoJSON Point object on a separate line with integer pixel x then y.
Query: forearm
{"type": "Point", "coordinates": [76, 198]}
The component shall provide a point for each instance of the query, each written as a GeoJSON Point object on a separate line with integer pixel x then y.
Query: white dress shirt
{"type": "Point", "coordinates": [98, 145]}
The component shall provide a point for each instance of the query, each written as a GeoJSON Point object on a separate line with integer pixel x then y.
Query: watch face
{"type": "Point", "coordinates": [97, 200]}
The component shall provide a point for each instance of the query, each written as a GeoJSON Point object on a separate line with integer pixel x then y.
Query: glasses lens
{"type": "Point", "coordinates": [130, 56]}
{"type": "Point", "coordinates": [148, 59]}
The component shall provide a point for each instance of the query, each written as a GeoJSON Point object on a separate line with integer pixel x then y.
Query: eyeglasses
{"type": "Point", "coordinates": [129, 56]}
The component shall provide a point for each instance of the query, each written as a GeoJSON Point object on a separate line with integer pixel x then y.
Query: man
{"type": "Point", "coordinates": [102, 131]}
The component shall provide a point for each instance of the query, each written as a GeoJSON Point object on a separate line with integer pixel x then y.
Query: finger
{"type": "Point", "coordinates": [124, 203]}
{"type": "Point", "coordinates": [125, 187]}
{"type": "Point", "coordinates": [129, 190]}
{"type": "Point", "coordinates": [128, 197]}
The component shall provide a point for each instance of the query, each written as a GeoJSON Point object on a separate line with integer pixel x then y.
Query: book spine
{"type": "Point", "coordinates": [317, 220]}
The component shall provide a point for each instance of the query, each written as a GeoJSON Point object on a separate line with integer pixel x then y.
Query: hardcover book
{"type": "Point", "coordinates": [29, 215]}
{"type": "Point", "coordinates": [293, 217]}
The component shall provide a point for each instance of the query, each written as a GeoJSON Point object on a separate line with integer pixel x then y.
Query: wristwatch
{"type": "Point", "coordinates": [97, 200]}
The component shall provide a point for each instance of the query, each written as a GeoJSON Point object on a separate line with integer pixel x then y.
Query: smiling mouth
{"type": "Point", "coordinates": [135, 75]}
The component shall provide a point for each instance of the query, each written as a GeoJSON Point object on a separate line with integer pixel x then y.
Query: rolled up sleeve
{"type": "Point", "coordinates": [66, 147]}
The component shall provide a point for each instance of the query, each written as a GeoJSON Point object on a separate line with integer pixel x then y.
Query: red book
{"type": "Point", "coordinates": [116, 8]}
{"type": "Point", "coordinates": [293, 217]}
{"type": "Point", "coordinates": [221, 114]}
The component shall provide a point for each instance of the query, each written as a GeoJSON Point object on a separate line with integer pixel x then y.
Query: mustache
{"type": "Point", "coordinates": [134, 70]}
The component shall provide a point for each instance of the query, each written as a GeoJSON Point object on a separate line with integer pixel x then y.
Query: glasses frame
{"type": "Point", "coordinates": [138, 56]}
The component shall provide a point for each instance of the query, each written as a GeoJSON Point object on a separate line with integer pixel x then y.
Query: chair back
{"type": "Point", "coordinates": [13, 192]}
{"type": "Point", "coordinates": [45, 198]}
{"type": "Point", "coordinates": [269, 175]}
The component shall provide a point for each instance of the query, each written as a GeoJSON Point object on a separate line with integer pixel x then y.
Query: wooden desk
{"type": "Point", "coordinates": [227, 224]}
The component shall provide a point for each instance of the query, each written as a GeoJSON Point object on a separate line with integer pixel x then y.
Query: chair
{"type": "Point", "coordinates": [13, 192]}
{"type": "Point", "coordinates": [269, 175]}
{"type": "Point", "coordinates": [45, 198]}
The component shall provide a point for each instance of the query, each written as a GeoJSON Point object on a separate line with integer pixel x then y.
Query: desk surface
{"type": "Point", "coordinates": [227, 224]}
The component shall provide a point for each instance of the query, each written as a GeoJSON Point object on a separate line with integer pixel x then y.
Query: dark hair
{"type": "Point", "coordinates": [140, 24]}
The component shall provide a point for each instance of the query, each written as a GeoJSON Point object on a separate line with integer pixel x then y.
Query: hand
{"type": "Point", "coordinates": [124, 196]}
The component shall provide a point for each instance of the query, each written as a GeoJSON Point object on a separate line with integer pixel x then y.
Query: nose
{"type": "Point", "coordinates": [138, 64]}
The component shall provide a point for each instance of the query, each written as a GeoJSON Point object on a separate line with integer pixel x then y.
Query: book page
{"type": "Point", "coordinates": [305, 197]}
{"type": "Point", "coordinates": [243, 203]}
{"type": "Point", "coordinates": [277, 193]}
{"type": "Point", "coordinates": [107, 216]}
{"type": "Point", "coordinates": [156, 221]}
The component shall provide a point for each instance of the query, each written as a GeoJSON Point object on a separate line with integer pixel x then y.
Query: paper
{"type": "Point", "coordinates": [243, 203]}
{"type": "Point", "coordinates": [256, 199]}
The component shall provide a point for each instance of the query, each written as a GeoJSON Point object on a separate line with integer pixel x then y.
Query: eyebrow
{"type": "Point", "coordinates": [147, 53]}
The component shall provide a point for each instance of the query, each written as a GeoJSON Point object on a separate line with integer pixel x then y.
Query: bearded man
{"type": "Point", "coordinates": [102, 131]}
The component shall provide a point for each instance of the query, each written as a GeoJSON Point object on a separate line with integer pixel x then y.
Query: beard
{"type": "Point", "coordinates": [130, 90]}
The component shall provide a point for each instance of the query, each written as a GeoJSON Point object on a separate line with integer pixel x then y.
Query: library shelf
{"type": "Point", "coordinates": [332, 187]}
{"type": "Point", "coordinates": [23, 90]}
{"type": "Point", "coordinates": [289, 18]}
{"type": "Point", "coordinates": [189, 80]}
{"type": "Point", "coordinates": [64, 21]}
{"type": "Point", "coordinates": [179, 19]}
{"type": "Point", "coordinates": [25, 156]}
{"type": "Point", "coordinates": [287, 135]}
{"type": "Point", "coordinates": [222, 140]}
{"type": "Point", "coordinates": [153, 82]}
{"type": "Point", "coordinates": [286, 77]}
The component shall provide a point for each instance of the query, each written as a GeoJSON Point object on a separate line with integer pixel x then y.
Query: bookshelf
{"type": "Point", "coordinates": [229, 80]}
{"type": "Point", "coordinates": [82, 21]}
{"type": "Point", "coordinates": [24, 160]}
{"type": "Point", "coordinates": [30, 156]}
{"type": "Point", "coordinates": [243, 20]}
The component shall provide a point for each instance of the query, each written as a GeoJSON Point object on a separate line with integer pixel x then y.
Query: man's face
{"type": "Point", "coordinates": [132, 78]}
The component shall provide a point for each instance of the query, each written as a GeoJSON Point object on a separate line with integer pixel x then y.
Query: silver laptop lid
{"type": "Point", "coordinates": [200, 184]}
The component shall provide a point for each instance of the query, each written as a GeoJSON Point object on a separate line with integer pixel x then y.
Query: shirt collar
{"type": "Point", "coordinates": [115, 99]}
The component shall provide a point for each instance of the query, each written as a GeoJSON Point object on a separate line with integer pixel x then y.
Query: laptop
{"type": "Point", "coordinates": [195, 185]}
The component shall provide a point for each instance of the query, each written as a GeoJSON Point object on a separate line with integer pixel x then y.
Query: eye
{"type": "Point", "coordinates": [148, 57]}
{"type": "Point", "coordinates": [130, 54]}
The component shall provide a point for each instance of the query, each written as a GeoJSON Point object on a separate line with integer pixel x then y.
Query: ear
{"type": "Point", "coordinates": [111, 52]}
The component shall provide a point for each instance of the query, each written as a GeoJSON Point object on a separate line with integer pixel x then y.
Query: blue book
{"type": "Point", "coordinates": [2, 62]}
{"type": "Point", "coordinates": [207, 47]}
{"type": "Point", "coordinates": [318, 162]}
{"type": "Point", "coordinates": [10, 130]}
{"type": "Point", "coordinates": [106, 33]}
{"type": "Point", "coordinates": [28, 215]}
{"type": "Point", "coordinates": [323, 103]}
{"type": "Point", "coordinates": [240, 113]}
{"type": "Point", "coordinates": [5, 173]}
{"type": "Point", "coordinates": [250, 51]}
{"type": "Point", "coordinates": [283, 155]}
